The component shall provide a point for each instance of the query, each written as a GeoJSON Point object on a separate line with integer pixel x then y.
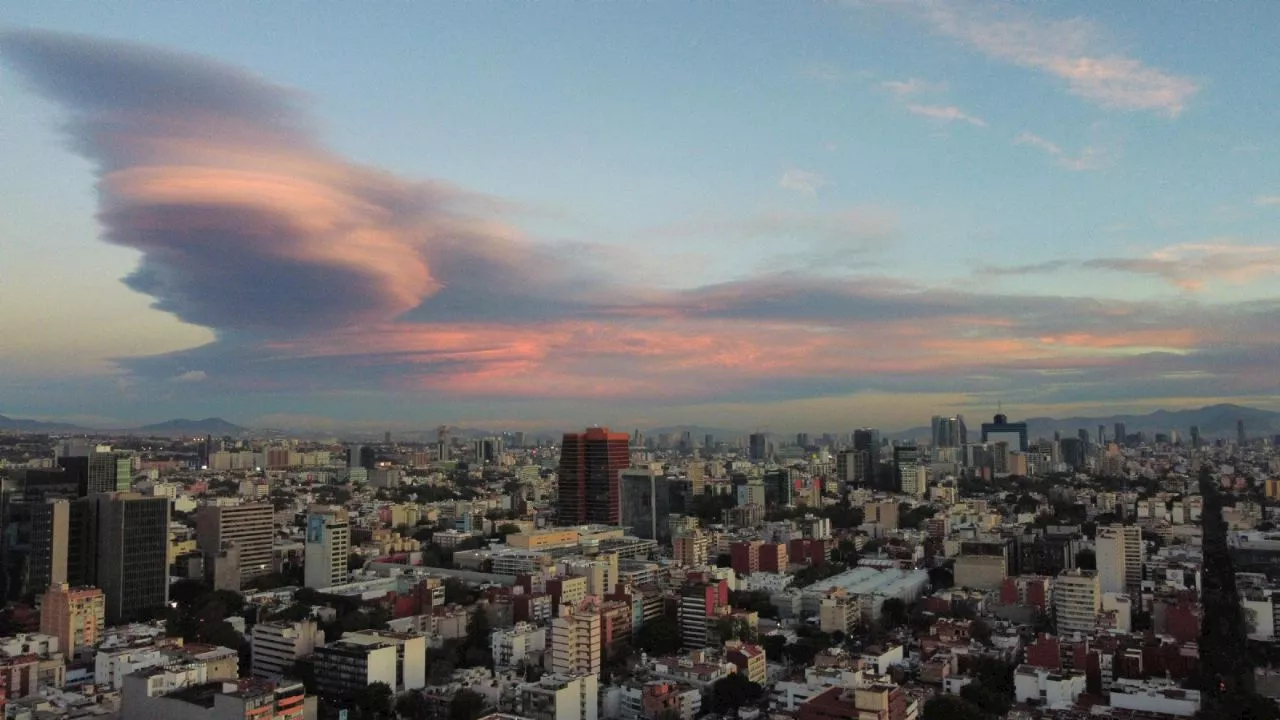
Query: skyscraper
{"type": "Point", "coordinates": [645, 503]}
{"type": "Point", "coordinates": [327, 547]}
{"type": "Point", "coordinates": [132, 566]}
{"type": "Point", "coordinates": [1195, 436]}
{"type": "Point", "coordinates": [906, 464]}
{"type": "Point", "coordinates": [1241, 438]}
{"type": "Point", "coordinates": [1102, 436]}
{"type": "Point", "coordinates": [866, 456]}
{"type": "Point", "coordinates": [1120, 433]}
{"type": "Point", "coordinates": [1119, 558]}
{"type": "Point", "coordinates": [250, 526]}
{"type": "Point", "coordinates": [1000, 429]}
{"type": "Point", "coordinates": [590, 464]}
{"type": "Point", "coordinates": [949, 432]}
{"type": "Point", "coordinates": [759, 446]}
{"type": "Point", "coordinates": [109, 472]}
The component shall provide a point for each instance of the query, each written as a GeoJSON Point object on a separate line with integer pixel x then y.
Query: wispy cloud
{"type": "Point", "coordinates": [1028, 269]}
{"type": "Point", "coordinates": [949, 113]}
{"type": "Point", "coordinates": [802, 181]}
{"type": "Point", "coordinates": [1089, 158]}
{"type": "Point", "coordinates": [1192, 266]}
{"type": "Point", "coordinates": [912, 86]}
{"type": "Point", "coordinates": [1267, 200]}
{"type": "Point", "coordinates": [1075, 51]}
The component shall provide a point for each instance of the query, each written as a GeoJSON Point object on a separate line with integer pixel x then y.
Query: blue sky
{"type": "Point", "coordinates": [969, 160]}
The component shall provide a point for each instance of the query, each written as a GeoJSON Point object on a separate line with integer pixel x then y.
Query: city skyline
{"type": "Point", "coordinates": [806, 216]}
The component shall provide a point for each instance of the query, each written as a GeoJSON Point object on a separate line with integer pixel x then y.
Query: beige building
{"type": "Point", "coordinates": [981, 572]}
{"type": "Point", "coordinates": [76, 616]}
{"type": "Point", "coordinates": [576, 641]}
{"type": "Point", "coordinates": [1077, 600]}
{"type": "Point", "coordinates": [691, 548]}
{"type": "Point", "coordinates": [250, 526]}
{"type": "Point", "coordinates": [838, 611]}
{"type": "Point", "coordinates": [277, 646]}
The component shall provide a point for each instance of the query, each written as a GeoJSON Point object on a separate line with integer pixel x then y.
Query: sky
{"type": "Point", "coordinates": [757, 215]}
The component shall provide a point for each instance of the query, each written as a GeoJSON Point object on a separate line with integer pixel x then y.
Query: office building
{"type": "Point", "coordinates": [576, 647]}
{"type": "Point", "coordinates": [250, 526]}
{"type": "Point", "coordinates": [1195, 436]}
{"type": "Point", "coordinates": [327, 547]}
{"type": "Point", "coordinates": [1077, 600]}
{"type": "Point", "coordinates": [949, 432]}
{"type": "Point", "coordinates": [646, 503]}
{"type": "Point", "coordinates": [560, 697]}
{"type": "Point", "coordinates": [591, 463]}
{"type": "Point", "coordinates": [276, 646]}
{"type": "Point", "coordinates": [1015, 434]}
{"type": "Point", "coordinates": [1119, 558]}
{"type": "Point", "coordinates": [1241, 438]}
{"type": "Point", "coordinates": [109, 472]}
{"type": "Point", "coordinates": [411, 654]}
{"type": "Point", "coordinates": [344, 668]}
{"type": "Point", "coordinates": [1121, 434]}
{"type": "Point", "coordinates": [866, 457]}
{"type": "Point", "coordinates": [76, 616]}
{"type": "Point", "coordinates": [758, 447]}
{"type": "Point", "coordinates": [906, 464]}
{"type": "Point", "coordinates": [132, 563]}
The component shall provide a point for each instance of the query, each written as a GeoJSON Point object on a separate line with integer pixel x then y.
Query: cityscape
{"type": "Point", "coordinates": [860, 360]}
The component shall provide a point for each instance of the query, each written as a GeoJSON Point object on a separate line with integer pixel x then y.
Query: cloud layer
{"type": "Point", "coordinates": [319, 274]}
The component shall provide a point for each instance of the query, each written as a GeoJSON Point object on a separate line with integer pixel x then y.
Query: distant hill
{"type": "Point", "coordinates": [1213, 421]}
{"type": "Point", "coordinates": [183, 426]}
{"type": "Point", "coordinates": [36, 426]}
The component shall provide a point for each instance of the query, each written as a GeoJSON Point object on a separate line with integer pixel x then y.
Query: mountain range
{"type": "Point", "coordinates": [1213, 421]}
{"type": "Point", "coordinates": [180, 426]}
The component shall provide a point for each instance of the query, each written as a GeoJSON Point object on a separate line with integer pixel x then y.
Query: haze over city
{"type": "Point", "coordinates": [779, 216]}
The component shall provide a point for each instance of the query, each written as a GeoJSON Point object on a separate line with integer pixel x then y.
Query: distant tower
{"type": "Point", "coordinates": [1195, 436]}
{"type": "Point", "coordinates": [590, 465]}
{"type": "Point", "coordinates": [1102, 435]}
{"type": "Point", "coordinates": [1241, 438]}
{"type": "Point", "coordinates": [442, 440]}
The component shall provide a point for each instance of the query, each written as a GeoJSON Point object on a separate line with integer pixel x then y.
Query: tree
{"type": "Point", "coordinates": [413, 706]}
{"type": "Point", "coordinates": [992, 686]}
{"type": "Point", "coordinates": [981, 632]}
{"type": "Point", "coordinates": [1087, 560]}
{"type": "Point", "coordinates": [774, 647]}
{"type": "Point", "coordinates": [466, 705]}
{"type": "Point", "coordinates": [659, 636]}
{"type": "Point", "coordinates": [458, 592]}
{"type": "Point", "coordinates": [355, 561]}
{"type": "Point", "coordinates": [506, 529]}
{"type": "Point", "coordinates": [732, 692]}
{"type": "Point", "coordinates": [373, 701]}
{"type": "Point", "coordinates": [893, 613]}
{"type": "Point", "coordinates": [950, 707]}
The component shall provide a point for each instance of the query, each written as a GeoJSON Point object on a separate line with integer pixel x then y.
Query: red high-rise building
{"type": "Point", "coordinates": [589, 466]}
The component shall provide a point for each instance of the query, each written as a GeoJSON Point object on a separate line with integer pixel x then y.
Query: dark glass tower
{"type": "Point", "coordinates": [590, 463]}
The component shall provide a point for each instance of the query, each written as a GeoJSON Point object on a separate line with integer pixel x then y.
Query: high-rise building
{"type": "Point", "coordinates": [109, 472]}
{"type": "Point", "coordinates": [708, 442]}
{"type": "Point", "coordinates": [250, 526]}
{"type": "Point", "coordinates": [575, 641]}
{"type": "Point", "coordinates": [132, 565]}
{"type": "Point", "coordinates": [949, 432]}
{"type": "Point", "coordinates": [802, 440]}
{"type": "Point", "coordinates": [866, 445]}
{"type": "Point", "coordinates": [778, 487]}
{"type": "Point", "coordinates": [1077, 600]}
{"type": "Point", "coordinates": [645, 504]}
{"type": "Point", "coordinates": [1119, 558]}
{"type": "Point", "coordinates": [1195, 436]}
{"type": "Point", "coordinates": [1121, 434]}
{"type": "Point", "coordinates": [906, 463]}
{"type": "Point", "coordinates": [758, 447]}
{"type": "Point", "coordinates": [1001, 430]}
{"type": "Point", "coordinates": [1241, 438]}
{"type": "Point", "coordinates": [591, 463]}
{"type": "Point", "coordinates": [1102, 436]}
{"type": "Point", "coordinates": [327, 547]}
{"type": "Point", "coordinates": [34, 531]}
{"type": "Point", "coordinates": [76, 616]}
{"type": "Point", "coordinates": [698, 603]}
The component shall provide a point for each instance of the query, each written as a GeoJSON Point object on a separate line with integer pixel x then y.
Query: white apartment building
{"type": "Point", "coordinates": [1119, 558]}
{"type": "Point", "coordinates": [328, 545]}
{"type": "Point", "coordinates": [561, 697]}
{"type": "Point", "coordinates": [277, 646]}
{"type": "Point", "coordinates": [514, 645]}
{"type": "Point", "coordinates": [1048, 688]}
